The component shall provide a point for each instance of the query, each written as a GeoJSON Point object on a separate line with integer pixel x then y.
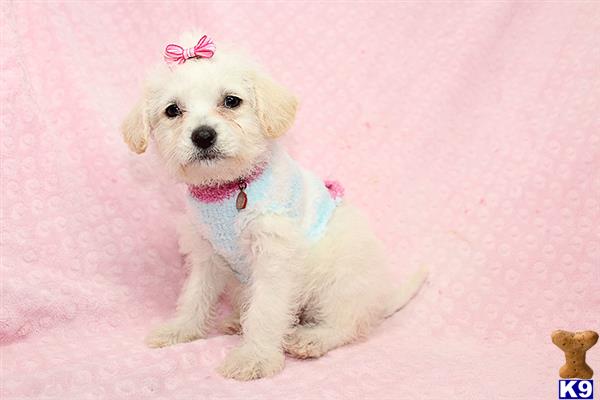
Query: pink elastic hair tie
{"type": "Point", "coordinates": [175, 54]}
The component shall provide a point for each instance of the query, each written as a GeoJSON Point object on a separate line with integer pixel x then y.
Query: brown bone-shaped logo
{"type": "Point", "coordinates": [575, 345]}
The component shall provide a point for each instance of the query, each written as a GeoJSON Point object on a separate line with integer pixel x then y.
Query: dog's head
{"type": "Point", "coordinates": [212, 118]}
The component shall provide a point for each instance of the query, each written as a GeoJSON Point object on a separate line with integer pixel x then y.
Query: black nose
{"type": "Point", "coordinates": [204, 137]}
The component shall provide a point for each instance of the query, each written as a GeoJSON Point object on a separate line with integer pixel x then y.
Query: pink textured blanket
{"type": "Point", "coordinates": [469, 132]}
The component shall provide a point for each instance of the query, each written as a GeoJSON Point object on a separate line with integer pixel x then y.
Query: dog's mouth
{"type": "Point", "coordinates": [206, 156]}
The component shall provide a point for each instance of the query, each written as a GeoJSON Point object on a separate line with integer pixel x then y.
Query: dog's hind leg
{"type": "Point", "coordinates": [345, 313]}
{"type": "Point", "coordinates": [347, 282]}
{"type": "Point", "coordinates": [312, 341]}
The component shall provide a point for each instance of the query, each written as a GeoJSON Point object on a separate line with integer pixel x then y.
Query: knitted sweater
{"type": "Point", "coordinates": [283, 188]}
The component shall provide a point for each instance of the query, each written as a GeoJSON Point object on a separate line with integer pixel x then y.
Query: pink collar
{"type": "Point", "coordinates": [213, 194]}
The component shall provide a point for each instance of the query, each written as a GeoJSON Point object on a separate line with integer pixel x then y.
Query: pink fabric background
{"type": "Point", "coordinates": [469, 132]}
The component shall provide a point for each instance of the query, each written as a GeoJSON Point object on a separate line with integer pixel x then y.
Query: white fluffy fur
{"type": "Point", "coordinates": [302, 299]}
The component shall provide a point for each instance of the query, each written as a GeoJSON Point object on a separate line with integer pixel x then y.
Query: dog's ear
{"type": "Point", "coordinates": [135, 128]}
{"type": "Point", "coordinates": [275, 105]}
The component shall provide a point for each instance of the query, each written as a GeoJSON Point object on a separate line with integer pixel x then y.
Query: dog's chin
{"type": "Point", "coordinates": [215, 167]}
{"type": "Point", "coordinates": [211, 169]}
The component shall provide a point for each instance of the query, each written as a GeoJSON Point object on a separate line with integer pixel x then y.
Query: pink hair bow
{"type": "Point", "coordinates": [175, 54]}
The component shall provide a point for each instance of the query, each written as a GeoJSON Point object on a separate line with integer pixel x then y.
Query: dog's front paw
{"type": "Point", "coordinates": [172, 333]}
{"type": "Point", "coordinates": [304, 342]}
{"type": "Point", "coordinates": [230, 326]}
{"type": "Point", "coordinates": [245, 363]}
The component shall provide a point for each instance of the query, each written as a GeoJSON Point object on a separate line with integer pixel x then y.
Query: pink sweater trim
{"type": "Point", "coordinates": [336, 190]}
{"type": "Point", "coordinates": [213, 194]}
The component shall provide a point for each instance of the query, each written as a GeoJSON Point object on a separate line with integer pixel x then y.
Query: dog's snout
{"type": "Point", "coordinates": [204, 137]}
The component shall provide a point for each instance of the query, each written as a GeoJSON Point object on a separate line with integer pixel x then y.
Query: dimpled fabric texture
{"type": "Point", "coordinates": [468, 132]}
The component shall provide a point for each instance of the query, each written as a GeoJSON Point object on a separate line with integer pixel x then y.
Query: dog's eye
{"type": "Point", "coordinates": [232, 101]}
{"type": "Point", "coordinates": [173, 111]}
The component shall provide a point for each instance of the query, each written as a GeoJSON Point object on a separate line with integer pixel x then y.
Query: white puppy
{"type": "Point", "coordinates": [305, 272]}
